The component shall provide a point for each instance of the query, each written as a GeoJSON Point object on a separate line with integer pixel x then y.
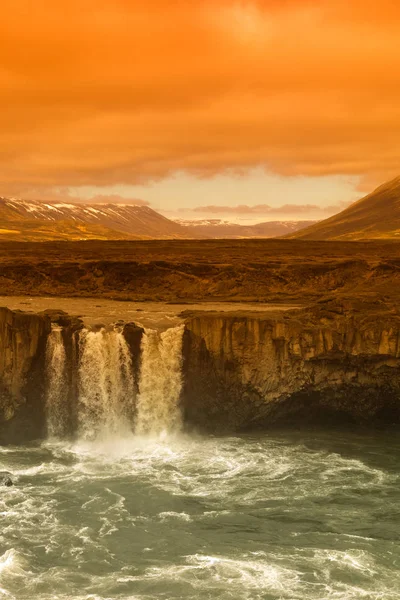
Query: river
{"type": "Point", "coordinates": [288, 515]}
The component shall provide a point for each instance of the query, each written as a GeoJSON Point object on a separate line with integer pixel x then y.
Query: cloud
{"type": "Point", "coordinates": [106, 92]}
{"type": "Point", "coordinates": [63, 195]}
{"type": "Point", "coordinates": [113, 199]}
{"type": "Point", "coordinates": [266, 209]}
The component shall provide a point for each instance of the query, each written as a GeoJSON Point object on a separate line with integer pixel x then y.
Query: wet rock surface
{"type": "Point", "coordinates": [22, 362]}
{"type": "Point", "coordinates": [6, 479]}
{"type": "Point", "coordinates": [23, 339]}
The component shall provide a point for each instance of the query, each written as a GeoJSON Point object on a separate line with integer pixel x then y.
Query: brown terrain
{"type": "Point", "coordinates": [202, 270]}
{"type": "Point", "coordinates": [32, 220]}
{"type": "Point", "coordinates": [374, 217]}
{"type": "Point", "coordinates": [328, 352]}
{"type": "Point", "coordinates": [333, 358]}
{"type": "Point", "coordinates": [218, 229]}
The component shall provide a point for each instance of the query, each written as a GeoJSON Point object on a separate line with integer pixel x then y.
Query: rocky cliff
{"type": "Point", "coordinates": [23, 373]}
{"type": "Point", "coordinates": [333, 362]}
{"type": "Point", "coordinates": [22, 357]}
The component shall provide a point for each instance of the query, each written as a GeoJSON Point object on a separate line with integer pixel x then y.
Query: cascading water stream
{"type": "Point", "coordinates": [57, 388]}
{"type": "Point", "coordinates": [106, 384]}
{"type": "Point", "coordinates": [107, 404]}
{"type": "Point", "coordinates": [160, 382]}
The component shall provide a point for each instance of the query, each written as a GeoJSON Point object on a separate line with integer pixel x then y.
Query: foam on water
{"type": "Point", "coordinates": [243, 517]}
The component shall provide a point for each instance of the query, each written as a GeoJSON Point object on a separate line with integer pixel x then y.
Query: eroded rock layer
{"type": "Point", "coordinates": [333, 362]}
{"type": "Point", "coordinates": [25, 374]}
{"type": "Point", "coordinates": [22, 356]}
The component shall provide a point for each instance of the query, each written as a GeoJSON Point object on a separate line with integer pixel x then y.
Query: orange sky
{"type": "Point", "coordinates": [104, 92]}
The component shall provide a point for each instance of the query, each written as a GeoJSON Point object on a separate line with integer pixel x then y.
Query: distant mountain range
{"type": "Point", "coordinates": [25, 220]}
{"type": "Point", "coordinates": [28, 220]}
{"type": "Point", "coordinates": [217, 228]}
{"type": "Point", "coordinates": [374, 217]}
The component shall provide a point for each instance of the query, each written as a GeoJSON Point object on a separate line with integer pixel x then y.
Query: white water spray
{"type": "Point", "coordinates": [160, 382]}
{"type": "Point", "coordinates": [57, 389]}
{"type": "Point", "coordinates": [106, 384]}
{"type": "Point", "coordinates": [107, 406]}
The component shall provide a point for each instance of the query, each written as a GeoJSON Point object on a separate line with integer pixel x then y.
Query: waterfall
{"type": "Point", "coordinates": [57, 387]}
{"type": "Point", "coordinates": [106, 384]}
{"type": "Point", "coordinates": [160, 382]}
{"type": "Point", "coordinates": [103, 393]}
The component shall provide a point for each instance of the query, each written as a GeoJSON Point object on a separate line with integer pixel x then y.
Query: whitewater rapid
{"type": "Point", "coordinates": [133, 509]}
{"type": "Point", "coordinates": [288, 517]}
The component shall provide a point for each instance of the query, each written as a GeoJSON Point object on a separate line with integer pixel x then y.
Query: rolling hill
{"type": "Point", "coordinates": [374, 217]}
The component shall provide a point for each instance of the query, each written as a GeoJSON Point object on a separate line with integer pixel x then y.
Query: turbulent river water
{"type": "Point", "coordinates": [272, 516]}
{"type": "Point", "coordinates": [135, 509]}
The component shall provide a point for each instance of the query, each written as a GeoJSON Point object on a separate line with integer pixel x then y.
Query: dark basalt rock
{"type": "Point", "coordinates": [6, 479]}
{"type": "Point", "coordinates": [335, 361]}
{"type": "Point", "coordinates": [66, 321]}
{"type": "Point", "coordinates": [133, 336]}
{"type": "Point", "coordinates": [332, 362]}
{"type": "Point", "coordinates": [23, 339]}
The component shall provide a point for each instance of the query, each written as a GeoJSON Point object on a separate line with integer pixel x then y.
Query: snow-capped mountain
{"type": "Point", "coordinates": [218, 228]}
{"type": "Point", "coordinates": [27, 219]}
{"type": "Point", "coordinates": [30, 220]}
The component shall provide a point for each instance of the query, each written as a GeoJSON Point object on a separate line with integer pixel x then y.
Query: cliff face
{"type": "Point", "coordinates": [329, 363]}
{"type": "Point", "coordinates": [23, 372]}
{"type": "Point", "coordinates": [22, 355]}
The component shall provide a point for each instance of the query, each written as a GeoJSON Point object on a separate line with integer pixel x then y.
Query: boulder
{"type": "Point", "coordinates": [6, 479]}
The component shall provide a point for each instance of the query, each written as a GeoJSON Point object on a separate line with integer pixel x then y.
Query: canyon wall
{"type": "Point", "coordinates": [24, 370]}
{"type": "Point", "coordinates": [330, 363]}
{"type": "Point", "coordinates": [22, 363]}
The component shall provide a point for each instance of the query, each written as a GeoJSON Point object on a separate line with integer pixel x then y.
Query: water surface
{"type": "Point", "coordinates": [279, 516]}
